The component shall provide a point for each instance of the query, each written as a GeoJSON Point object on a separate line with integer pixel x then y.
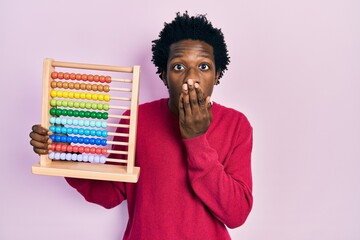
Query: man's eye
{"type": "Point", "coordinates": [204, 66]}
{"type": "Point", "coordinates": [178, 67]}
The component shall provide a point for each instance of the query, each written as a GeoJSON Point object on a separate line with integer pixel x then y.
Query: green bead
{"type": "Point", "coordinates": [58, 112]}
{"type": "Point", "coordinates": [93, 114]}
{"type": "Point", "coordinates": [76, 104]}
{"type": "Point", "coordinates": [70, 113]}
{"type": "Point", "coordinates": [53, 102]}
{"type": "Point", "coordinates": [106, 107]}
{"type": "Point", "coordinates": [105, 115]}
{"type": "Point", "coordinates": [70, 104]}
{"type": "Point", "coordinates": [64, 112]}
{"type": "Point", "coordinates": [64, 103]}
{"type": "Point", "coordinates": [53, 111]}
{"type": "Point", "coordinates": [87, 114]}
{"type": "Point", "coordinates": [76, 113]}
{"type": "Point", "coordinates": [58, 103]}
{"type": "Point", "coordinates": [100, 106]}
{"type": "Point", "coordinates": [88, 105]}
{"type": "Point", "coordinates": [81, 114]}
{"type": "Point", "coordinates": [82, 104]}
{"type": "Point", "coordinates": [94, 106]}
{"type": "Point", "coordinates": [98, 115]}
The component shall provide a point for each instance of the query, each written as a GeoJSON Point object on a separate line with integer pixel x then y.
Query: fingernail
{"type": "Point", "coordinates": [197, 85]}
{"type": "Point", "coordinates": [190, 82]}
{"type": "Point", "coordinates": [185, 87]}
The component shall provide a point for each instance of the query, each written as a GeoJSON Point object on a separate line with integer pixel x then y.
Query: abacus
{"type": "Point", "coordinates": [80, 110]}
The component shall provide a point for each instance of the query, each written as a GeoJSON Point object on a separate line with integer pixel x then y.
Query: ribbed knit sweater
{"type": "Point", "coordinates": [188, 188]}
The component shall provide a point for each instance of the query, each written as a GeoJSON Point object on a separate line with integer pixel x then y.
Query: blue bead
{"type": "Point", "coordinates": [81, 131]}
{"type": "Point", "coordinates": [86, 123]}
{"type": "Point", "coordinates": [75, 122]}
{"type": "Point", "coordinates": [92, 141]}
{"type": "Point", "coordinates": [93, 124]}
{"type": "Point", "coordinates": [104, 124]}
{"type": "Point", "coordinates": [63, 121]}
{"type": "Point", "coordinates": [103, 142]}
{"type": "Point", "coordinates": [53, 138]}
{"type": "Point", "coordinates": [52, 120]}
{"type": "Point", "coordinates": [86, 140]}
{"type": "Point", "coordinates": [75, 139]}
{"type": "Point", "coordinates": [86, 132]}
{"type": "Point", "coordinates": [64, 130]}
{"type": "Point", "coordinates": [81, 123]}
{"type": "Point", "coordinates": [75, 131]}
{"type": "Point", "coordinates": [52, 128]}
{"type": "Point", "coordinates": [69, 139]}
{"type": "Point", "coordinates": [69, 131]}
{"type": "Point", "coordinates": [98, 141]}
{"type": "Point", "coordinates": [58, 129]}
{"type": "Point", "coordinates": [81, 140]}
{"type": "Point", "coordinates": [104, 133]}
{"type": "Point", "coordinates": [57, 138]}
{"type": "Point", "coordinates": [70, 121]}
{"type": "Point", "coordinates": [58, 120]}
{"type": "Point", "coordinates": [98, 133]}
{"type": "Point", "coordinates": [92, 132]}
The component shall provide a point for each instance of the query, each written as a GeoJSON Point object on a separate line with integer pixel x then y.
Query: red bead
{"type": "Point", "coordinates": [69, 148]}
{"type": "Point", "coordinates": [75, 149]}
{"type": "Point", "coordinates": [96, 78]}
{"type": "Point", "coordinates": [54, 75]}
{"type": "Point", "coordinates": [63, 147]}
{"type": "Point", "coordinates": [90, 78]}
{"type": "Point", "coordinates": [52, 147]}
{"type": "Point", "coordinates": [98, 151]}
{"type": "Point", "coordinates": [81, 149]}
{"type": "Point", "coordinates": [78, 76]}
{"type": "Point", "coordinates": [92, 150]}
{"type": "Point", "coordinates": [102, 79]}
{"type": "Point", "coordinates": [86, 149]}
{"type": "Point", "coordinates": [84, 77]}
{"type": "Point", "coordinates": [108, 79]}
{"type": "Point", "coordinates": [66, 76]}
{"type": "Point", "coordinates": [104, 151]}
{"type": "Point", "coordinates": [60, 75]}
{"type": "Point", "coordinates": [72, 76]}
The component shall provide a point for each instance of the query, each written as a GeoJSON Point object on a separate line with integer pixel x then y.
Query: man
{"type": "Point", "coordinates": [195, 157]}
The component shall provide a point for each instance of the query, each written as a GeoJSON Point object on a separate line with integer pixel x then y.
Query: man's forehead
{"type": "Point", "coordinates": [197, 47]}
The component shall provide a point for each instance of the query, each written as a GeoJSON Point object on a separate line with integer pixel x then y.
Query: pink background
{"type": "Point", "coordinates": [295, 72]}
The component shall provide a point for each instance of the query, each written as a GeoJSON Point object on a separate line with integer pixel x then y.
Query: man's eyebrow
{"type": "Point", "coordinates": [201, 55]}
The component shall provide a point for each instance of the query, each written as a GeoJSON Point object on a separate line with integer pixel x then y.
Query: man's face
{"type": "Point", "coordinates": [189, 59]}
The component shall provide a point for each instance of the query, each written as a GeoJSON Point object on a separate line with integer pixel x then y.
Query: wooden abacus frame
{"type": "Point", "coordinates": [111, 172]}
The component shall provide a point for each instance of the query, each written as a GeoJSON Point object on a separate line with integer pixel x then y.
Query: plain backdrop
{"type": "Point", "coordinates": [294, 72]}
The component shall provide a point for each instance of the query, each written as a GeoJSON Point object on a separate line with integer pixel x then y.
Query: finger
{"type": "Point", "coordinates": [39, 145]}
{"type": "Point", "coordinates": [40, 130]}
{"type": "Point", "coordinates": [208, 103]}
{"type": "Point", "coordinates": [186, 100]}
{"type": "Point", "coordinates": [181, 109]}
{"type": "Point", "coordinates": [40, 151]}
{"type": "Point", "coordinates": [200, 96]}
{"type": "Point", "coordinates": [40, 138]}
{"type": "Point", "coordinates": [192, 95]}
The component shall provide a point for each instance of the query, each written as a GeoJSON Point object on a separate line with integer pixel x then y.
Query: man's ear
{"type": "Point", "coordinates": [163, 78]}
{"type": "Point", "coordinates": [217, 76]}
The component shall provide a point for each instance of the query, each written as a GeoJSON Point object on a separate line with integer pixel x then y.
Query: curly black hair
{"type": "Point", "coordinates": [189, 27]}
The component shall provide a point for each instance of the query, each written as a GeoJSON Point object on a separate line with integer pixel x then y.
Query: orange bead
{"type": "Point", "coordinates": [96, 78]}
{"type": "Point", "coordinates": [71, 85]}
{"type": "Point", "coordinates": [65, 85]}
{"type": "Point", "coordinates": [90, 78]}
{"type": "Point", "coordinates": [77, 86]}
{"type": "Point", "coordinates": [88, 87]}
{"type": "Point", "coordinates": [53, 84]}
{"type": "Point", "coordinates": [100, 88]}
{"type": "Point", "coordinates": [83, 86]}
{"type": "Point", "coordinates": [94, 87]}
{"type": "Point", "coordinates": [78, 76]}
{"type": "Point", "coordinates": [59, 84]}
{"type": "Point", "coordinates": [106, 88]}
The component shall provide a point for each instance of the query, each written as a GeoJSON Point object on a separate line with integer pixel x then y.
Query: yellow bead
{"type": "Point", "coordinates": [59, 93]}
{"type": "Point", "coordinates": [88, 96]}
{"type": "Point", "coordinates": [100, 97]}
{"type": "Point", "coordinates": [95, 97]}
{"type": "Point", "coordinates": [71, 94]}
{"type": "Point", "coordinates": [65, 94]}
{"type": "Point", "coordinates": [53, 93]}
{"type": "Point", "coordinates": [77, 95]}
{"type": "Point", "coordinates": [82, 95]}
{"type": "Point", "coordinates": [107, 97]}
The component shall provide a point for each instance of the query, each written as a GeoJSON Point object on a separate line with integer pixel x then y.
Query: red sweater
{"type": "Point", "coordinates": [188, 189]}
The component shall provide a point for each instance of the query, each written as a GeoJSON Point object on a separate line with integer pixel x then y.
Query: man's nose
{"type": "Point", "coordinates": [193, 74]}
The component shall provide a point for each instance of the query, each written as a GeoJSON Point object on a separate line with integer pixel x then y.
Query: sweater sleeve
{"type": "Point", "coordinates": [225, 186]}
{"type": "Point", "coordinates": [104, 193]}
